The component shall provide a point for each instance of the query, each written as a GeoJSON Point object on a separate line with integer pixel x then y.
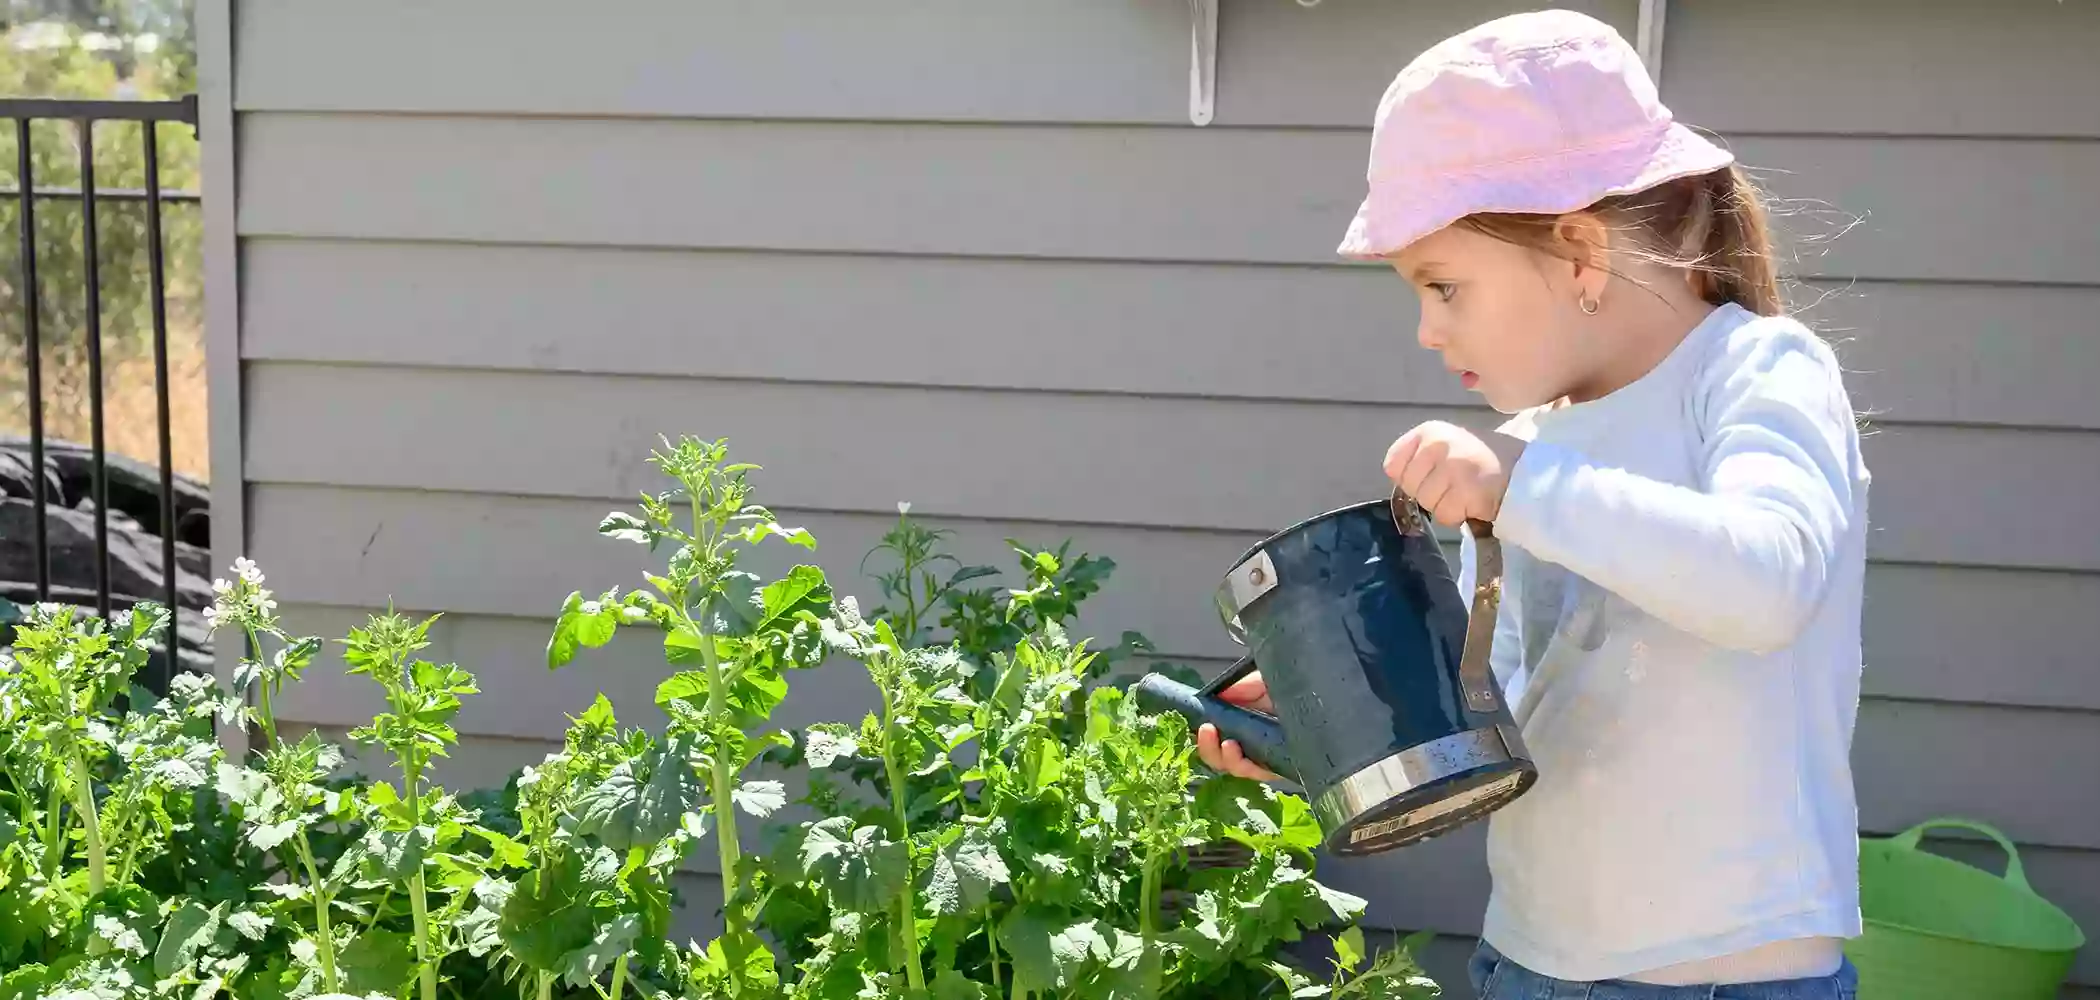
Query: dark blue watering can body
{"type": "Point", "coordinates": [1383, 714]}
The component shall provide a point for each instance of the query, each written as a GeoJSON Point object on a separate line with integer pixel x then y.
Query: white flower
{"type": "Point", "coordinates": [221, 588]}
{"type": "Point", "coordinates": [903, 507]}
{"type": "Point", "coordinates": [261, 602]}
{"type": "Point", "coordinates": [211, 616]}
{"type": "Point", "coordinates": [247, 569]}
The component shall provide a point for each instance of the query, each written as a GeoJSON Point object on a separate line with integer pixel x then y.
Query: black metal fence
{"type": "Point", "coordinates": [86, 115]}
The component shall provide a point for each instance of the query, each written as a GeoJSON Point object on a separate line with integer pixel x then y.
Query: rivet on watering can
{"type": "Point", "coordinates": [1258, 577]}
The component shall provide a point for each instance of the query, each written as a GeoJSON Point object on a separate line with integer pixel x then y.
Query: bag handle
{"type": "Point", "coordinates": [2015, 873]}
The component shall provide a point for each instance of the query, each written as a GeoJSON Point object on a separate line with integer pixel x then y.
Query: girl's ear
{"type": "Point", "coordinates": [1585, 241]}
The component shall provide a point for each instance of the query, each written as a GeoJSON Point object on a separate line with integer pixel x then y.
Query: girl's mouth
{"type": "Point", "coordinates": [1469, 379]}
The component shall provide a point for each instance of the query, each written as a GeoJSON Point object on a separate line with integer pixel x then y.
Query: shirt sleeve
{"type": "Point", "coordinates": [1742, 561]}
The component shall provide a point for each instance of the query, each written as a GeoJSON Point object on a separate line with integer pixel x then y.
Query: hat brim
{"type": "Point", "coordinates": [1402, 210]}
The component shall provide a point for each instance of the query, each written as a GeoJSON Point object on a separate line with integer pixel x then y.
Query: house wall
{"type": "Point", "coordinates": [970, 254]}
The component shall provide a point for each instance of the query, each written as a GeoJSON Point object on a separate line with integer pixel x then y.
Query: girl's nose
{"type": "Point", "coordinates": [1428, 336]}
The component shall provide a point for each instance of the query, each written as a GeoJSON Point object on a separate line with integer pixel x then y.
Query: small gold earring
{"type": "Point", "coordinates": [1587, 305]}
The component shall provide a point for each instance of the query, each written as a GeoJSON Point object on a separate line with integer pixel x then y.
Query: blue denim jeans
{"type": "Point", "coordinates": [1497, 978]}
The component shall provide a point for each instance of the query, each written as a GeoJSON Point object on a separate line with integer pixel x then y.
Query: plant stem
{"type": "Point", "coordinates": [911, 601]}
{"type": "Point", "coordinates": [131, 846]}
{"type": "Point", "coordinates": [54, 831]}
{"type": "Point", "coordinates": [324, 937]}
{"type": "Point", "coordinates": [546, 986]}
{"type": "Point", "coordinates": [907, 920]}
{"type": "Point", "coordinates": [419, 907]}
{"type": "Point", "coordinates": [733, 918]}
{"type": "Point", "coordinates": [269, 717]}
{"type": "Point", "coordinates": [91, 824]}
{"type": "Point", "coordinates": [1148, 917]}
{"type": "Point", "coordinates": [991, 940]}
{"type": "Point", "coordinates": [619, 976]}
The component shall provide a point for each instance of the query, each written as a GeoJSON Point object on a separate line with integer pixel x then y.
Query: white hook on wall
{"type": "Point", "coordinates": [1648, 37]}
{"type": "Point", "coordinates": [1203, 60]}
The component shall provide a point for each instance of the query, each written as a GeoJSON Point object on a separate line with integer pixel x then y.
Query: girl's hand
{"type": "Point", "coordinates": [1453, 473]}
{"type": "Point", "coordinates": [1250, 692]}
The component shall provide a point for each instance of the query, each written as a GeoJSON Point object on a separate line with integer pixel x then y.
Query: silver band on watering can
{"type": "Point", "coordinates": [1249, 580]}
{"type": "Point", "coordinates": [1412, 768]}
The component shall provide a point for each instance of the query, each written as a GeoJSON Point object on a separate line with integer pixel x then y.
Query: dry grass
{"type": "Point", "coordinates": [129, 406]}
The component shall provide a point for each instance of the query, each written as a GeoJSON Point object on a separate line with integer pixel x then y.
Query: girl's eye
{"type": "Point", "coordinates": [1443, 289]}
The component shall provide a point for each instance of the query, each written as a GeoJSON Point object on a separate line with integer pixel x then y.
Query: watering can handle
{"type": "Point", "coordinates": [1260, 736]}
{"type": "Point", "coordinates": [1476, 672]}
{"type": "Point", "coordinates": [2015, 873]}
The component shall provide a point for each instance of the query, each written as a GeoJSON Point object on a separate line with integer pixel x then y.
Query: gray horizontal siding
{"type": "Point", "coordinates": [1172, 463]}
{"type": "Point", "coordinates": [1246, 195]}
{"type": "Point", "coordinates": [1981, 354]}
{"type": "Point", "coordinates": [1996, 69]}
{"type": "Point", "coordinates": [1933, 632]}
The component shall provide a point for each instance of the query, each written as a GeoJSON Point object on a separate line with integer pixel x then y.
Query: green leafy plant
{"type": "Point", "coordinates": [743, 635]}
{"type": "Point", "coordinates": [1002, 822]}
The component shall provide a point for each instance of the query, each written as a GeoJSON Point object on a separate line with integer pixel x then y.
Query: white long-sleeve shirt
{"type": "Point", "coordinates": [1680, 641]}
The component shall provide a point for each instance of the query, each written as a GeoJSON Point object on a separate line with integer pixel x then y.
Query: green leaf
{"type": "Point", "coordinates": [25, 983]}
{"type": "Point", "coordinates": [396, 855]}
{"type": "Point", "coordinates": [952, 985]}
{"type": "Point", "coordinates": [757, 691]}
{"type": "Point", "coordinates": [1349, 948]}
{"type": "Point", "coordinates": [641, 801]}
{"type": "Point", "coordinates": [582, 623]}
{"type": "Point", "coordinates": [503, 851]}
{"type": "Point", "coordinates": [767, 529]}
{"type": "Point", "coordinates": [803, 590]}
{"type": "Point", "coordinates": [760, 798]}
{"type": "Point", "coordinates": [686, 685]}
{"type": "Point", "coordinates": [480, 928]}
{"type": "Point", "coordinates": [862, 868]}
{"type": "Point", "coordinates": [543, 928]}
{"type": "Point", "coordinates": [625, 527]}
{"type": "Point", "coordinates": [1049, 952]}
{"type": "Point", "coordinates": [267, 836]}
{"type": "Point", "coordinates": [377, 961]}
{"type": "Point", "coordinates": [610, 941]}
{"type": "Point", "coordinates": [1258, 815]}
{"type": "Point", "coordinates": [963, 874]}
{"type": "Point", "coordinates": [249, 924]}
{"type": "Point", "coordinates": [563, 644]}
{"type": "Point", "coordinates": [827, 742]}
{"type": "Point", "coordinates": [187, 931]}
{"type": "Point", "coordinates": [599, 717]}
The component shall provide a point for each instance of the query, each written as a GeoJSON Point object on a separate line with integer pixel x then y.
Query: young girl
{"type": "Point", "coordinates": [1684, 512]}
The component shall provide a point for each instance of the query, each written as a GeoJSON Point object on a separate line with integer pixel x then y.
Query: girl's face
{"type": "Point", "coordinates": [1505, 318]}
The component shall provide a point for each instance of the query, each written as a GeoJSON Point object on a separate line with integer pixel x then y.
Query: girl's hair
{"type": "Point", "coordinates": [1713, 224]}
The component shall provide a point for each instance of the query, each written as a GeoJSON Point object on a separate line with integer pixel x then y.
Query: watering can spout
{"type": "Point", "coordinates": [1260, 737]}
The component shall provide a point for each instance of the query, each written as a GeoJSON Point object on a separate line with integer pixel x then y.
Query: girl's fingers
{"type": "Point", "coordinates": [1435, 496]}
{"type": "Point", "coordinates": [1250, 691]}
{"type": "Point", "coordinates": [1225, 757]}
{"type": "Point", "coordinates": [1425, 460]}
{"type": "Point", "coordinates": [1399, 455]}
{"type": "Point", "coordinates": [1207, 747]}
{"type": "Point", "coordinates": [1237, 763]}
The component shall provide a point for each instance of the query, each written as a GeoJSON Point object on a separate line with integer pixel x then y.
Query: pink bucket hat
{"type": "Point", "coordinates": [1543, 112]}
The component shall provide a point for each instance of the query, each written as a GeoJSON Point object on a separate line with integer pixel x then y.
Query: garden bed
{"type": "Point", "coordinates": [1004, 823]}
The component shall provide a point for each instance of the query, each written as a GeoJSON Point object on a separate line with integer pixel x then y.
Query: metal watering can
{"type": "Point", "coordinates": [1387, 713]}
